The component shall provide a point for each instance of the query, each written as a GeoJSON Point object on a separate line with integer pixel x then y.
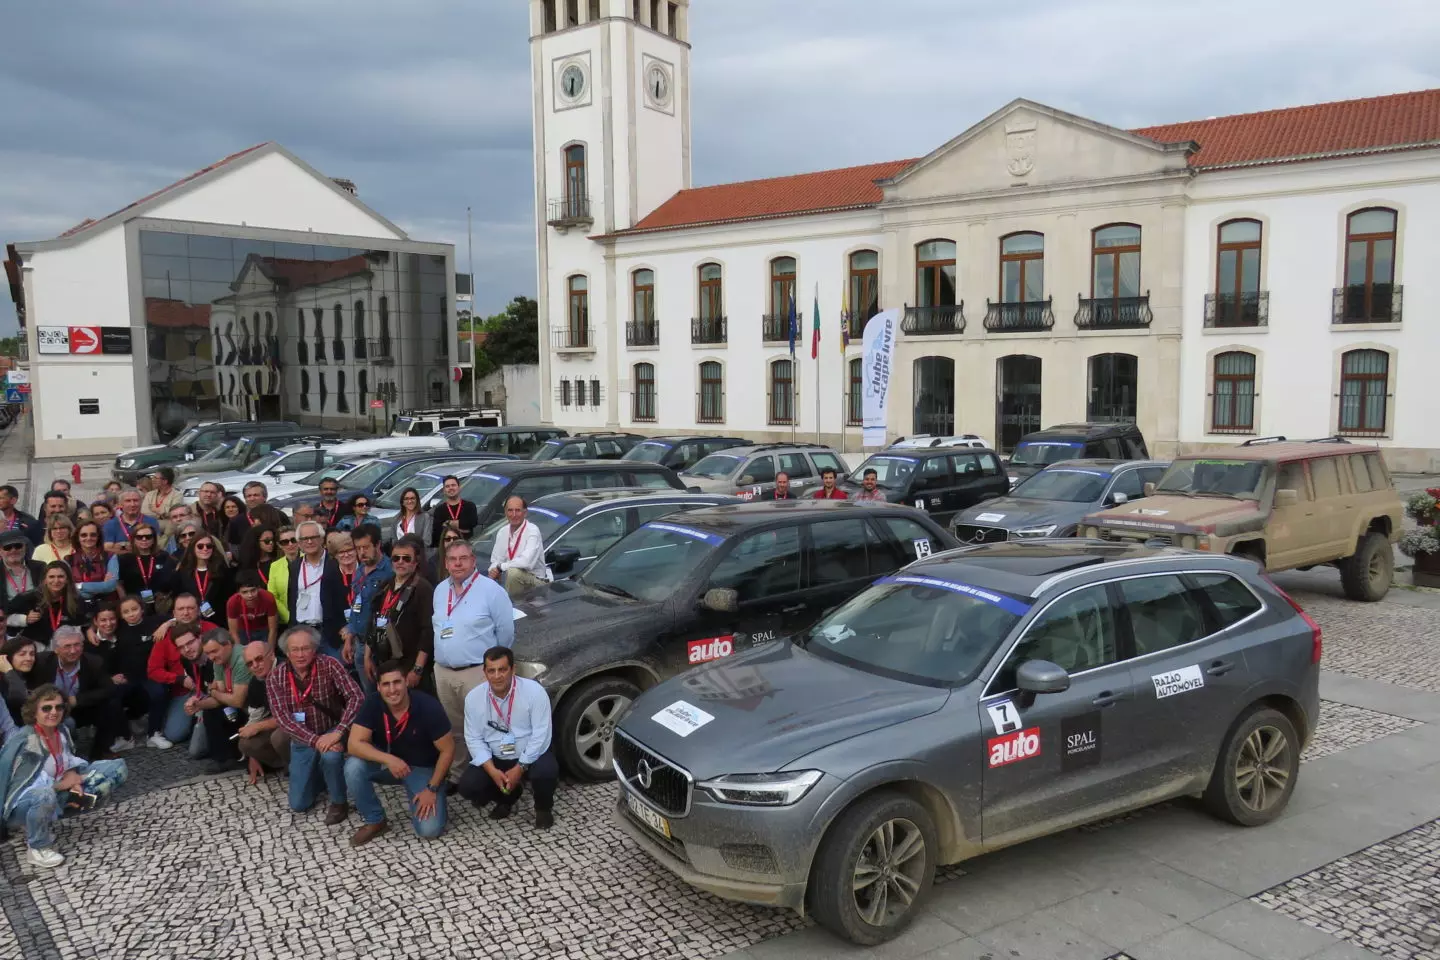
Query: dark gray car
{"type": "Point", "coordinates": [978, 698]}
{"type": "Point", "coordinates": [1050, 503]}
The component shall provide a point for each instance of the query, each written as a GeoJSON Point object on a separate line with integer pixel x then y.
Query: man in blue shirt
{"type": "Point", "coordinates": [472, 614]}
{"type": "Point", "coordinates": [117, 528]}
{"type": "Point", "coordinates": [374, 569]}
{"type": "Point", "coordinates": [507, 728]}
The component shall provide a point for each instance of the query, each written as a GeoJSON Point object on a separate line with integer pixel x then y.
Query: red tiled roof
{"type": "Point", "coordinates": [176, 314]}
{"type": "Point", "coordinates": [829, 190]}
{"type": "Point", "coordinates": [1375, 124]}
{"type": "Point", "coordinates": [308, 273]}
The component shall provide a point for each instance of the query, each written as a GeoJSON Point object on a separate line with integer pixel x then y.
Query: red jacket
{"type": "Point", "coordinates": [836, 494]}
{"type": "Point", "coordinates": [167, 666]}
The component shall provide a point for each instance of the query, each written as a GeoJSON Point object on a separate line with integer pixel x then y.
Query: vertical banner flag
{"type": "Point", "coordinates": [844, 321]}
{"type": "Point", "coordinates": [879, 343]}
{"type": "Point", "coordinates": [794, 324]}
{"type": "Point", "coordinates": [815, 337]}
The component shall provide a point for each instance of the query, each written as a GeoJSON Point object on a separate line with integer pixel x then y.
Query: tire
{"type": "Point", "coordinates": [1367, 573]}
{"type": "Point", "coordinates": [585, 724]}
{"type": "Point", "coordinates": [1252, 551]}
{"type": "Point", "coordinates": [1234, 796]}
{"type": "Point", "coordinates": [849, 850]}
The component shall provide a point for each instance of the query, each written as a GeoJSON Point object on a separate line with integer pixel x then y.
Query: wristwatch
{"type": "Point", "coordinates": [525, 767]}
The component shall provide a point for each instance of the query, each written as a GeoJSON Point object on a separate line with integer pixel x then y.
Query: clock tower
{"type": "Point", "coordinates": [611, 87]}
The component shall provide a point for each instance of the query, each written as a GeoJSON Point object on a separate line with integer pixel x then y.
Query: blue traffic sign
{"type": "Point", "coordinates": [13, 395]}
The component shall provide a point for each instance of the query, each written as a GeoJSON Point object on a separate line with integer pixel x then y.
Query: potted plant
{"type": "Point", "coordinates": [1423, 543]}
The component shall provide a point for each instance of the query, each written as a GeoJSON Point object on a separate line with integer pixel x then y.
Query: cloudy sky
{"type": "Point", "coordinates": [425, 104]}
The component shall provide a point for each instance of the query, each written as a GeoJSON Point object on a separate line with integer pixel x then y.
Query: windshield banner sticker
{"type": "Point", "coordinates": [1177, 681]}
{"type": "Point", "coordinates": [690, 532]}
{"type": "Point", "coordinates": [1089, 473]}
{"type": "Point", "coordinates": [558, 517]}
{"type": "Point", "coordinates": [1004, 716]}
{"type": "Point", "coordinates": [998, 599]}
{"type": "Point", "coordinates": [892, 457]}
{"type": "Point", "coordinates": [1014, 747]}
{"type": "Point", "coordinates": [715, 648]}
{"type": "Point", "coordinates": [1150, 512]}
{"type": "Point", "coordinates": [990, 517]}
{"type": "Point", "coordinates": [682, 719]}
{"type": "Point", "coordinates": [488, 476]}
{"type": "Point", "coordinates": [1138, 524]}
{"type": "Point", "coordinates": [1080, 738]}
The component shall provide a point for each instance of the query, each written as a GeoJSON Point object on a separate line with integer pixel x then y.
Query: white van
{"type": "Point", "coordinates": [386, 447]}
{"type": "Point", "coordinates": [425, 423]}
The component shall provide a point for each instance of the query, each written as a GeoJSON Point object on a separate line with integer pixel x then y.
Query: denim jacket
{"type": "Point", "coordinates": [359, 622]}
{"type": "Point", "coordinates": [20, 763]}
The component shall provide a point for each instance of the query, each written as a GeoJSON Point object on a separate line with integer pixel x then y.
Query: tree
{"type": "Point", "coordinates": [9, 346]}
{"type": "Point", "coordinates": [514, 333]}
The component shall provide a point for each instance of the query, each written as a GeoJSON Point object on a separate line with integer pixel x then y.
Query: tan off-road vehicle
{"type": "Point", "coordinates": [1283, 504]}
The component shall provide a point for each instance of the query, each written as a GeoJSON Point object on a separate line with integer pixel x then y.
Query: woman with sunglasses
{"type": "Point", "coordinates": [97, 573]}
{"type": "Point", "coordinates": [41, 778]}
{"type": "Point", "coordinates": [411, 521]}
{"type": "Point", "coordinates": [204, 572]}
{"type": "Point", "coordinates": [358, 513]}
{"type": "Point", "coordinates": [257, 552]}
{"type": "Point", "coordinates": [56, 604]}
{"type": "Point", "coordinates": [59, 540]}
{"type": "Point", "coordinates": [147, 571]}
{"type": "Point", "coordinates": [278, 576]}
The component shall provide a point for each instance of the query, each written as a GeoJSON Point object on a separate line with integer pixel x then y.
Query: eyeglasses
{"type": "Point", "coordinates": [287, 541]}
{"type": "Point", "coordinates": [186, 534]}
{"type": "Point", "coordinates": [205, 545]}
{"type": "Point", "coordinates": [51, 708]}
{"type": "Point", "coordinates": [311, 538]}
{"type": "Point", "coordinates": [92, 536]}
{"type": "Point", "coordinates": [362, 505]}
{"type": "Point", "coordinates": [269, 541]}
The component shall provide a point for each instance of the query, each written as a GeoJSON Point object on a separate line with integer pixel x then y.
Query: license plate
{"type": "Point", "coordinates": [649, 817]}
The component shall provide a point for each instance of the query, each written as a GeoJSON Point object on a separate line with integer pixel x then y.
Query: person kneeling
{"type": "Point", "coordinates": [415, 734]}
{"type": "Point", "coordinates": [315, 701]}
{"type": "Point", "coordinates": [41, 778]}
{"type": "Point", "coordinates": [507, 729]}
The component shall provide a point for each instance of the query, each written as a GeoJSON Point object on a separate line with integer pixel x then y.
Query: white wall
{"type": "Point", "coordinates": [522, 393]}
{"type": "Point", "coordinates": [1303, 208]}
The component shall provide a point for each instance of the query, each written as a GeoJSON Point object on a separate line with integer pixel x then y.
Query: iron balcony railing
{"type": "Point", "coordinates": [855, 321]}
{"type": "Point", "coordinates": [576, 337]}
{"type": "Point", "coordinates": [1114, 313]}
{"type": "Point", "coordinates": [934, 321]}
{"type": "Point", "coordinates": [643, 333]}
{"type": "Point", "coordinates": [1249, 309]}
{"type": "Point", "coordinates": [570, 211]}
{"type": "Point", "coordinates": [1368, 303]}
{"type": "Point", "coordinates": [381, 351]}
{"type": "Point", "coordinates": [776, 328]}
{"type": "Point", "coordinates": [708, 330]}
{"type": "Point", "coordinates": [1019, 317]}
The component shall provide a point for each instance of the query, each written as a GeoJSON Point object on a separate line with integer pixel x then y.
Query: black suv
{"type": "Point", "coordinates": [489, 487]}
{"type": "Point", "coordinates": [939, 480]}
{"type": "Point", "coordinates": [677, 453]}
{"type": "Point", "coordinates": [587, 446]}
{"type": "Point", "coordinates": [517, 441]}
{"type": "Point", "coordinates": [696, 588]}
{"type": "Point", "coordinates": [194, 442]}
{"type": "Point", "coordinates": [1075, 441]}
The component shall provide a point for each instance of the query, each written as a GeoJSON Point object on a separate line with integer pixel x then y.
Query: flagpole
{"type": "Point", "coordinates": [815, 349]}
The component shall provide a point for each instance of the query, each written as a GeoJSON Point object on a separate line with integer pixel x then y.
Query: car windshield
{"type": "Point", "coordinates": [266, 462]}
{"type": "Point", "coordinates": [1204, 477]}
{"type": "Point", "coordinates": [547, 521]}
{"type": "Point", "coordinates": [404, 473]}
{"type": "Point", "coordinates": [717, 466]}
{"type": "Point", "coordinates": [481, 488]}
{"type": "Point", "coordinates": [549, 450]}
{"type": "Point", "coordinates": [651, 562]}
{"type": "Point", "coordinates": [187, 437]}
{"type": "Point", "coordinates": [651, 451]}
{"type": "Point", "coordinates": [420, 481]}
{"type": "Point", "coordinates": [466, 442]}
{"type": "Point", "coordinates": [1070, 484]}
{"type": "Point", "coordinates": [917, 628]}
{"type": "Point", "coordinates": [890, 471]}
{"type": "Point", "coordinates": [222, 452]}
{"type": "Point", "coordinates": [333, 471]}
{"type": "Point", "coordinates": [1039, 453]}
{"type": "Point", "coordinates": [362, 478]}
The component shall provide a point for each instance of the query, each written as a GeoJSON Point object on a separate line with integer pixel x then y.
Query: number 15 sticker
{"type": "Point", "coordinates": [1004, 716]}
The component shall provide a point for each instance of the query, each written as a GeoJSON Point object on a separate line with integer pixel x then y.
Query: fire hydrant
{"type": "Point", "coordinates": [75, 473]}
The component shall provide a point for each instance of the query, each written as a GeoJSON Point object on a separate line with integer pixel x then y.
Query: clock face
{"type": "Point", "coordinates": [572, 82]}
{"type": "Point", "coordinates": [657, 85]}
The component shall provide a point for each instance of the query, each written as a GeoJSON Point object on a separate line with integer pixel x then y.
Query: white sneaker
{"type": "Point", "coordinates": [157, 741]}
{"type": "Point", "coordinates": [48, 857]}
{"type": "Point", "coordinates": [122, 744]}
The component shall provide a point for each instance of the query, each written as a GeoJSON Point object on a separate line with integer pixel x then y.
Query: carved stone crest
{"type": "Point", "coordinates": [1020, 148]}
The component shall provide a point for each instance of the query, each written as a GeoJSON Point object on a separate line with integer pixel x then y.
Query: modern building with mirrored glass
{"type": "Point", "coordinates": [257, 288]}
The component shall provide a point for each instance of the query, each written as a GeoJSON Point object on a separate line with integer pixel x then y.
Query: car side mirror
{"type": "Point", "coordinates": [562, 559]}
{"type": "Point", "coordinates": [721, 600]}
{"type": "Point", "coordinates": [276, 471]}
{"type": "Point", "coordinates": [1118, 498]}
{"type": "Point", "coordinates": [745, 481]}
{"type": "Point", "coordinates": [1287, 497]}
{"type": "Point", "coordinates": [693, 490]}
{"type": "Point", "coordinates": [1150, 489]}
{"type": "Point", "coordinates": [1042, 676]}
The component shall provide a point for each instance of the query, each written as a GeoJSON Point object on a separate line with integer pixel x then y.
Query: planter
{"type": "Point", "coordinates": [1426, 572]}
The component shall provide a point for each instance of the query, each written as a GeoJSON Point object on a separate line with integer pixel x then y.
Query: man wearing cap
{"type": "Point", "coordinates": [161, 498]}
{"type": "Point", "coordinates": [21, 575]}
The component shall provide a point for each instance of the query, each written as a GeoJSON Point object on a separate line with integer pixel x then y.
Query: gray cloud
{"type": "Point", "coordinates": [426, 105]}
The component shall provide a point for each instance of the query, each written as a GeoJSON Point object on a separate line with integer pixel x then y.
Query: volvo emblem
{"type": "Point", "coordinates": [643, 774]}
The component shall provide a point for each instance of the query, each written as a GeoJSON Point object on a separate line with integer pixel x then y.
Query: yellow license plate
{"type": "Point", "coordinates": [649, 817]}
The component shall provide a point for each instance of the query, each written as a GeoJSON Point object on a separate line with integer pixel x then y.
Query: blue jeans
{"type": "Point", "coordinates": [308, 769]}
{"type": "Point", "coordinates": [360, 779]}
{"type": "Point", "coordinates": [180, 727]}
{"type": "Point", "coordinates": [37, 810]}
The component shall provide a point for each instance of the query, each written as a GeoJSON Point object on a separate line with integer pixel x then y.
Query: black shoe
{"type": "Point", "coordinates": [544, 819]}
{"type": "Point", "coordinates": [217, 767]}
{"type": "Point", "coordinates": [500, 811]}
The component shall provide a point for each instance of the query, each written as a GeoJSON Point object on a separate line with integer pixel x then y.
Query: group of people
{"type": "Point", "coordinates": [828, 490]}
{"type": "Point", "coordinates": [313, 645]}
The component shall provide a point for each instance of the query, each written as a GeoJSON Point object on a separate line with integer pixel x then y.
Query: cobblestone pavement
{"type": "Point", "coordinates": [1385, 898]}
{"type": "Point", "coordinates": [1379, 641]}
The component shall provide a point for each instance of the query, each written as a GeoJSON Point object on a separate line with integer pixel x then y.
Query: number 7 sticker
{"type": "Point", "coordinates": [1004, 716]}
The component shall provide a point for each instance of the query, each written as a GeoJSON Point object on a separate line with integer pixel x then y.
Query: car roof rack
{"type": "Point", "coordinates": [789, 446]}
{"type": "Point", "coordinates": [1259, 441]}
{"type": "Point", "coordinates": [1335, 439]}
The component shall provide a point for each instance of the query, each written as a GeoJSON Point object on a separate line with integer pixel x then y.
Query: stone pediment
{"type": "Point", "coordinates": [1027, 144]}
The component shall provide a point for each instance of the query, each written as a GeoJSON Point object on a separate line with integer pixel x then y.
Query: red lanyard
{"type": "Point", "coordinates": [334, 513]}
{"type": "Point", "coordinates": [455, 513]}
{"type": "Point", "coordinates": [407, 524]}
{"type": "Point", "coordinates": [348, 579]}
{"type": "Point", "coordinates": [14, 519]}
{"type": "Point", "coordinates": [124, 527]}
{"type": "Point", "coordinates": [145, 575]}
{"type": "Point", "coordinates": [510, 704]}
{"type": "Point", "coordinates": [390, 735]}
{"type": "Point", "coordinates": [517, 537]}
{"type": "Point", "coordinates": [24, 579]}
{"type": "Point", "coordinates": [56, 748]}
{"type": "Point", "coordinates": [199, 682]}
{"type": "Point", "coordinates": [203, 584]}
{"type": "Point", "coordinates": [57, 613]}
{"type": "Point", "coordinates": [264, 577]}
{"type": "Point", "coordinates": [303, 697]}
{"type": "Point", "coordinates": [392, 597]}
{"type": "Point", "coordinates": [453, 601]}
{"type": "Point", "coordinates": [305, 582]}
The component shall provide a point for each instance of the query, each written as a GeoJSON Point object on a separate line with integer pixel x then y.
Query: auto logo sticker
{"type": "Point", "coordinates": [1080, 741]}
{"type": "Point", "coordinates": [1004, 715]}
{"type": "Point", "coordinates": [1014, 747]}
{"type": "Point", "coordinates": [682, 719]}
{"type": "Point", "coordinates": [715, 648]}
{"type": "Point", "coordinates": [922, 548]}
{"type": "Point", "coordinates": [1177, 681]}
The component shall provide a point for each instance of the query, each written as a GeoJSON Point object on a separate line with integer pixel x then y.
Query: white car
{"type": "Point", "coordinates": [310, 481]}
{"type": "Point", "coordinates": [386, 506]}
{"type": "Point", "coordinates": [295, 460]}
{"type": "Point", "coordinates": [926, 440]}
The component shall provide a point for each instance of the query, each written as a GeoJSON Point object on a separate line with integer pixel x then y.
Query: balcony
{"type": "Point", "coordinates": [1251, 309]}
{"type": "Point", "coordinates": [465, 352]}
{"type": "Point", "coordinates": [1114, 313]}
{"type": "Point", "coordinates": [381, 351]}
{"type": "Point", "coordinates": [577, 337]}
{"type": "Point", "coordinates": [708, 330]}
{"type": "Point", "coordinates": [1027, 316]}
{"type": "Point", "coordinates": [776, 328]}
{"type": "Point", "coordinates": [643, 334]}
{"type": "Point", "coordinates": [568, 212]}
{"type": "Point", "coordinates": [855, 322]}
{"type": "Point", "coordinates": [935, 321]}
{"type": "Point", "coordinates": [1368, 303]}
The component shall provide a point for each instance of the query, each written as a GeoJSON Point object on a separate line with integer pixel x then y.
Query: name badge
{"type": "Point", "coordinates": [355, 609]}
{"type": "Point", "coordinates": [147, 595]}
{"type": "Point", "coordinates": [299, 716]}
{"type": "Point", "coordinates": [507, 749]}
{"type": "Point", "coordinates": [382, 622]}
{"type": "Point", "coordinates": [446, 633]}
{"type": "Point", "coordinates": [206, 609]}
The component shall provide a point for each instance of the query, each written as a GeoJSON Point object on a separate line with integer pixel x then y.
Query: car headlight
{"type": "Point", "coordinates": [125, 464]}
{"type": "Point", "coordinates": [530, 670]}
{"type": "Point", "coordinates": [762, 789]}
{"type": "Point", "coordinates": [1035, 531]}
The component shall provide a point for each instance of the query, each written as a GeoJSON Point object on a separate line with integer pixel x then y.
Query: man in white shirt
{"type": "Point", "coordinates": [507, 729]}
{"type": "Point", "coordinates": [518, 558]}
{"type": "Point", "coordinates": [472, 615]}
{"type": "Point", "coordinates": [318, 593]}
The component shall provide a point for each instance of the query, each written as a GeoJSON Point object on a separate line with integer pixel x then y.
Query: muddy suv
{"type": "Point", "coordinates": [1283, 504]}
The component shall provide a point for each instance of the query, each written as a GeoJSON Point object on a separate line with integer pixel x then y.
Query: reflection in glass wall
{"type": "Point", "coordinates": [260, 329]}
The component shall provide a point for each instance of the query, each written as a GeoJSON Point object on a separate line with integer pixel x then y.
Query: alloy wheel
{"type": "Point", "coordinates": [1262, 768]}
{"type": "Point", "coordinates": [595, 731]}
{"type": "Point", "coordinates": [889, 872]}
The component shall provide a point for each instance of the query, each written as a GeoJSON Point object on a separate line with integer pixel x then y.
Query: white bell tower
{"type": "Point", "coordinates": [610, 81]}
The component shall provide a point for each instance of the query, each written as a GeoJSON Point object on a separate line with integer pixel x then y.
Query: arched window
{"type": "Point", "coordinates": [384, 345]}
{"type": "Point", "coordinates": [577, 194]}
{"type": "Point", "coordinates": [1115, 255]}
{"type": "Point", "coordinates": [709, 327]}
{"type": "Point", "coordinates": [1113, 388]}
{"type": "Point", "coordinates": [304, 389]}
{"type": "Point", "coordinates": [319, 334]}
{"type": "Point", "coordinates": [1018, 395]}
{"type": "Point", "coordinates": [862, 290]}
{"type": "Point", "coordinates": [782, 392]}
{"type": "Point", "coordinates": [935, 273]}
{"type": "Point", "coordinates": [360, 352]}
{"type": "Point", "coordinates": [362, 389]}
{"type": "Point", "coordinates": [642, 399]}
{"type": "Point", "coordinates": [302, 346]}
{"type": "Point", "coordinates": [1369, 295]}
{"type": "Point", "coordinates": [855, 405]}
{"type": "Point", "coordinates": [339, 343]}
{"type": "Point", "coordinates": [324, 391]}
{"type": "Point", "coordinates": [782, 286]}
{"type": "Point", "coordinates": [1022, 268]}
{"type": "Point", "coordinates": [712, 393]}
{"type": "Point", "coordinates": [1232, 393]}
{"type": "Point", "coordinates": [342, 401]}
{"type": "Point", "coordinates": [1364, 391]}
{"type": "Point", "coordinates": [643, 284]}
{"type": "Point", "coordinates": [1237, 274]}
{"type": "Point", "coordinates": [579, 312]}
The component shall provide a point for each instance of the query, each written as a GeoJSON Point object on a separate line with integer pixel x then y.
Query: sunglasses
{"type": "Point", "coordinates": [14, 546]}
{"type": "Point", "coordinates": [90, 535]}
{"type": "Point", "coordinates": [287, 541]}
{"type": "Point", "coordinates": [51, 708]}
{"type": "Point", "coordinates": [144, 536]}
{"type": "Point", "coordinates": [361, 504]}
{"type": "Point", "coordinates": [187, 534]}
{"type": "Point", "coordinates": [401, 558]}
{"type": "Point", "coordinates": [449, 539]}
{"type": "Point", "coordinates": [270, 541]}
{"type": "Point", "coordinates": [204, 545]}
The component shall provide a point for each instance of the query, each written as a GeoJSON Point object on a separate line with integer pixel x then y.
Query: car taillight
{"type": "Point", "coordinates": [1315, 644]}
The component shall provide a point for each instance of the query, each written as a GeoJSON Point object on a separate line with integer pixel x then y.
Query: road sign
{"type": "Point", "coordinates": [23, 387]}
{"type": "Point", "coordinates": [13, 395]}
{"type": "Point", "coordinates": [84, 339]}
{"type": "Point", "coordinates": [14, 377]}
